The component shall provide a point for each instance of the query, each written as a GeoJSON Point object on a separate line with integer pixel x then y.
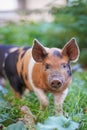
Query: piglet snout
{"type": "Point", "coordinates": [56, 83]}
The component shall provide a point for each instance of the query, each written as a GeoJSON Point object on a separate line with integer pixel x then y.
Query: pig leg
{"type": "Point", "coordinates": [41, 95]}
{"type": "Point", "coordinates": [58, 101]}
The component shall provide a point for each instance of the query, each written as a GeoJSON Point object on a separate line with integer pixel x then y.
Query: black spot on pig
{"type": "Point", "coordinates": [69, 69]}
{"type": "Point", "coordinates": [24, 51]}
{"type": "Point", "coordinates": [57, 53]}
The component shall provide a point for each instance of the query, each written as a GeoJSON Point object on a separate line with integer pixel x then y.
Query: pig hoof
{"type": "Point", "coordinates": [44, 106]}
{"type": "Point", "coordinates": [58, 112]}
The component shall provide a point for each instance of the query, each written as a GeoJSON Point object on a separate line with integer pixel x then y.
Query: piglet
{"type": "Point", "coordinates": [42, 70]}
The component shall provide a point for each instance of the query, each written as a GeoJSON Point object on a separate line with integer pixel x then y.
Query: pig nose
{"type": "Point", "coordinates": [56, 84]}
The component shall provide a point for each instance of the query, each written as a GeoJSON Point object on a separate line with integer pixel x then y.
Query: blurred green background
{"type": "Point", "coordinates": [69, 21]}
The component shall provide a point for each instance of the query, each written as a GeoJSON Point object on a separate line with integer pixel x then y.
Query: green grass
{"type": "Point", "coordinates": [75, 105]}
{"type": "Point", "coordinates": [76, 101]}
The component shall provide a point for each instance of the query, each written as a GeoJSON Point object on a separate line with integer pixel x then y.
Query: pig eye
{"type": "Point", "coordinates": [64, 65]}
{"type": "Point", "coordinates": [47, 66]}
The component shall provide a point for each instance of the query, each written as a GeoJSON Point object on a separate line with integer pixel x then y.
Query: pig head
{"type": "Point", "coordinates": [50, 71]}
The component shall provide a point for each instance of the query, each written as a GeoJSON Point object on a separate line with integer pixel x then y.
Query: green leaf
{"type": "Point", "coordinates": [6, 121]}
{"type": "Point", "coordinates": [58, 123]}
{"type": "Point", "coordinates": [17, 126]}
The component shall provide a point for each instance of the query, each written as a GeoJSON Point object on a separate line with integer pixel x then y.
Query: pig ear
{"type": "Point", "coordinates": [72, 50]}
{"type": "Point", "coordinates": [38, 51]}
